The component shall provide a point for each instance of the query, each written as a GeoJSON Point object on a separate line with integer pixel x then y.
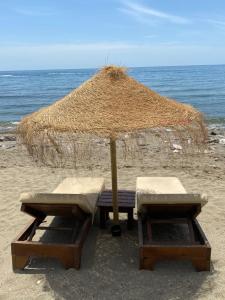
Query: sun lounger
{"type": "Point", "coordinates": [162, 202]}
{"type": "Point", "coordinates": [75, 199]}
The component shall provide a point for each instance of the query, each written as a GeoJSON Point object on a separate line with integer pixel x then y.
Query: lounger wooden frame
{"type": "Point", "coordinates": [23, 247]}
{"type": "Point", "coordinates": [197, 250]}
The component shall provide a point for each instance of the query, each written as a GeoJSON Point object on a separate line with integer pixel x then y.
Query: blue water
{"type": "Point", "coordinates": [22, 92]}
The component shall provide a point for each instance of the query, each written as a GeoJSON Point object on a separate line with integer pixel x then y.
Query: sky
{"type": "Point", "coordinates": [55, 34]}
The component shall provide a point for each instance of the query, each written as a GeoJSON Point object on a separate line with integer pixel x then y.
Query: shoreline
{"type": "Point", "coordinates": [10, 127]}
{"type": "Point", "coordinates": [210, 127]}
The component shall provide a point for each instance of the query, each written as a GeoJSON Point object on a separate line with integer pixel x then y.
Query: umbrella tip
{"type": "Point", "coordinates": [114, 72]}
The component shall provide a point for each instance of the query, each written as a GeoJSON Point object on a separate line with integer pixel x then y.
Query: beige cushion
{"type": "Point", "coordinates": [82, 191]}
{"type": "Point", "coordinates": [164, 190]}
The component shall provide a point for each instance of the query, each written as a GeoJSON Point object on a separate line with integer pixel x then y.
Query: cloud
{"type": "Point", "coordinates": [142, 13]}
{"type": "Point", "coordinates": [140, 18]}
{"type": "Point", "coordinates": [217, 23]}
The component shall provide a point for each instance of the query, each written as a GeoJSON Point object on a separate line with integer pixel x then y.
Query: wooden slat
{"type": "Point", "coordinates": [126, 198]}
{"type": "Point", "coordinates": [75, 232]}
{"type": "Point", "coordinates": [170, 221]}
{"type": "Point", "coordinates": [33, 231]}
{"type": "Point", "coordinates": [125, 205]}
{"type": "Point", "coordinates": [119, 200]}
{"type": "Point", "coordinates": [149, 230]}
{"type": "Point", "coordinates": [54, 228]}
{"type": "Point", "coordinates": [191, 231]}
{"type": "Point", "coordinates": [120, 195]}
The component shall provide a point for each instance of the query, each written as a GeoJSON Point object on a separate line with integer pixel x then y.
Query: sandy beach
{"type": "Point", "coordinates": [118, 89]}
{"type": "Point", "coordinates": [110, 265]}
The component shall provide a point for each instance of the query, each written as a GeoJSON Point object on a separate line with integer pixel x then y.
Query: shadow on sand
{"type": "Point", "coordinates": [109, 270]}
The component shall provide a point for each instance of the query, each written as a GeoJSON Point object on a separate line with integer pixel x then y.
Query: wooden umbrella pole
{"type": "Point", "coordinates": [114, 181]}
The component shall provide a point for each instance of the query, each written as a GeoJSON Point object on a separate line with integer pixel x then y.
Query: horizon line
{"type": "Point", "coordinates": [96, 68]}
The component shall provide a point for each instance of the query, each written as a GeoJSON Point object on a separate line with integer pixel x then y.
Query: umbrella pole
{"type": "Point", "coordinates": [114, 181]}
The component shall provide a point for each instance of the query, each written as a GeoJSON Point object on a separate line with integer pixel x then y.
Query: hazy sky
{"type": "Point", "coordinates": [83, 33]}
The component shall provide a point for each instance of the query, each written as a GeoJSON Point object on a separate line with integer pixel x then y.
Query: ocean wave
{"type": "Point", "coordinates": [6, 126]}
{"type": "Point", "coordinates": [8, 123]}
{"type": "Point", "coordinates": [215, 120]}
{"type": "Point", "coordinates": [10, 75]}
{"type": "Point", "coordinates": [62, 73]}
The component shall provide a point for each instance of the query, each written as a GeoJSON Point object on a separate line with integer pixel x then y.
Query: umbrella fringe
{"type": "Point", "coordinates": [82, 150]}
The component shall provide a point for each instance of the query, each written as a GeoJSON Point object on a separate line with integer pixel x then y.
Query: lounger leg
{"type": "Point", "coordinates": [201, 264]}
{"type": "Point", "coordinates": [102, 218]}
{"type": "Point", "coordinates": [71, 260]}
{"type": "Point", "coordinates": [130, 219]}
{"type": "Point", "coordinates": [19, 262]}
{"type": "Point", "coordinates": [107, 215]}
{"type": "Point", "coordinates": [76, 263]}
{"type": "Point", "coordinates": [147, 263]}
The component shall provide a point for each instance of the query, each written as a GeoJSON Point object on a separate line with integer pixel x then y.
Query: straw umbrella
{"type": "Point", "coordinates": [108, 105]}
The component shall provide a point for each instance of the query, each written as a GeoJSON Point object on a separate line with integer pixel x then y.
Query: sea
{"type": "Point", "coordinates": [23, 92]}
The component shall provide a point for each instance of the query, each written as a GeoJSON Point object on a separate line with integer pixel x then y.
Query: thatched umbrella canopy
{"type": "Point", "coordinates": [107, 105]}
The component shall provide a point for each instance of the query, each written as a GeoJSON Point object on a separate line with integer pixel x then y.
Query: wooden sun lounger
{"type": "Point", "coordinates": [163, 200]}
{"type": "Point", "coordinates": [75, 199]}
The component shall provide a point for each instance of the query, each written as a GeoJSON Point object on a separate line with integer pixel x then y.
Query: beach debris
{"type": "Point", "coordinates": [213, 141]}
{"type": "Point", "coordinates": [7, 138]}
{"type": "Point", "coordinates": [4, 146]}
{"type": "Point", "coordinates": [176, 147]}
{"type": "Point", "coordinates": [128, 166]}
{"type": "Point", "coordinates": [10, 138]}
{"type": "Point", "coordinates": [222, 141]}
{"type": "Point", "coordinates": [176, 151]}
{"type": "Point", "coordinates": [213, 133]}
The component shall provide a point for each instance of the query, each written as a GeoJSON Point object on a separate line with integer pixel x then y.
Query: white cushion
{"type": "Point", "coordinates": [82, 191]}
{"type": "Point", "coordinates": [164, 190]}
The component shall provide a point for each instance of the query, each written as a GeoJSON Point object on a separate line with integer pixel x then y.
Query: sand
{"type": "Point", "coordinates": [110, 265]}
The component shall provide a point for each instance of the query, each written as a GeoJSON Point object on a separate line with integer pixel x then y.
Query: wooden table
{"type": "Point", "coordinates": [126, 204]}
